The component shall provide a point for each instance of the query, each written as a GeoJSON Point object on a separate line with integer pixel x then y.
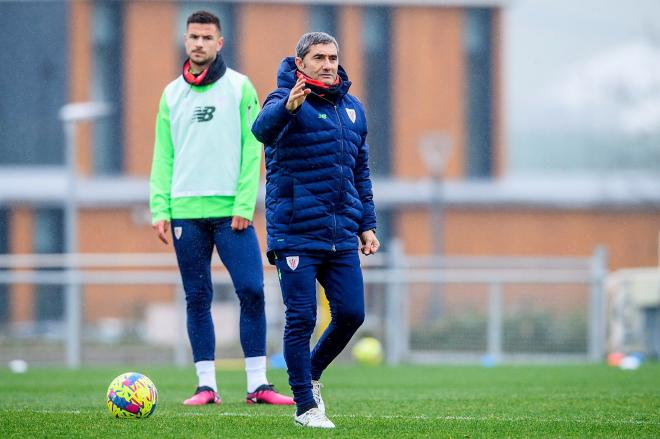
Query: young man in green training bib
{"type": "Point", "coordinates": [204, 183]}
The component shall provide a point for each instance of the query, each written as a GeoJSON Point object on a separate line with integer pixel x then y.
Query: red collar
{"type": "Point", "coordinates": [190, 78]}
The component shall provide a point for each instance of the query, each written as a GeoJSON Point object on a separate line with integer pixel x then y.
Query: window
{"type": "Point", "coordinates": [323, 18]}
{"type": "Point", "coordinates": [227, 14]}
{"type": "Point", "coordinates": [376, 37]}
{"type": "Point", "coordinates": [107, 19]}
{"type": "Point", "coordinates": [479, 92]}
{"type": "Point", "coordinates": [34, 83]}
{"type": "Point", "coordinates": [49, 238]}
{"type": "Point", "coordinates": [4, 249]}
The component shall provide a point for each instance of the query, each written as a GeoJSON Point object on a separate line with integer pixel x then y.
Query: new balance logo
{"type": "Point", "coordinates": [203, 114]}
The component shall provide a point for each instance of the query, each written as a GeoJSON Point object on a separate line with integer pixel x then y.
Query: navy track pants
{"type": "Point", "coordinates": [239, 252]}
{"type": "Point", "coordinates": [341, 276]}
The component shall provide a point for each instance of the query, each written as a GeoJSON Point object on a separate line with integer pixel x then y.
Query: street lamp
{"type": "Point", "coordinates": [434, 148]}
{"type": "Point", "coordinates": [70, 115]}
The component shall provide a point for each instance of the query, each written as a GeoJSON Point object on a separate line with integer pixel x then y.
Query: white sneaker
{"type": "Point", "coordinates": [314, 418]}
{"type": "Point", "coordinates": [316, 392]}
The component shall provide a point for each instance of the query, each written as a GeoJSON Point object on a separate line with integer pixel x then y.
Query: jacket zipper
{"type": "Point", "coordinates": [341, 172]}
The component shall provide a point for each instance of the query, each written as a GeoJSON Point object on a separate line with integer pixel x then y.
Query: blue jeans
{"type": "Point", "coordinates": [340, 275]}
{"type": "Point", "coordinates": [239, 252]}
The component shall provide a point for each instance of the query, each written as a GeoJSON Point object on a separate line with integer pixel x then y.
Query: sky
{"type": "Point", "coordinates": [554, 50]}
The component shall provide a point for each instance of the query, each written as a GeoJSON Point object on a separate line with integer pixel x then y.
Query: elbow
{"type": "Point", "coordinates": [258, 131]}
{"type": "Point", "coordinates": [269, 122]}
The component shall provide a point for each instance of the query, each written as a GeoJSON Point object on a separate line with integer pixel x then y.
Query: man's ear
{"type": "Point", "coordinates": [299, 63]}
{"type": "Point", "coordinates": [221, 42]}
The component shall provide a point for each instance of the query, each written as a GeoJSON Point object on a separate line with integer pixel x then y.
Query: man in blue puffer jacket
{"type": "Point", "coordinates": [318, 202]}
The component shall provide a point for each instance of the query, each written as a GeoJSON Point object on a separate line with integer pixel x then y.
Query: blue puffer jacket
{"type": "Point", "coordinates": [318, 190]}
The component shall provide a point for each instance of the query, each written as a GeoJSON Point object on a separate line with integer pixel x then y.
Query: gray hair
{"type": "Point", "coordinates": [310, 39]}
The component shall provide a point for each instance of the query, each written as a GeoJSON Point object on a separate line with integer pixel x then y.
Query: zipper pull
{"type": "Point", "coordinates": [334, 249]}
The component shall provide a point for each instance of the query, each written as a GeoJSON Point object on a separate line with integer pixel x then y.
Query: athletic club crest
{"type": "Point", "coordinates": [351, 114]}
{"type": "Point", "coordinates": [177, 232]}
{"type": "Point", "coordinates": [292, 262]}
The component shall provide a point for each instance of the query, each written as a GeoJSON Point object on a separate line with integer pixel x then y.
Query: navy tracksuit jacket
{"type": "Point", "coordinates": [318, 200]}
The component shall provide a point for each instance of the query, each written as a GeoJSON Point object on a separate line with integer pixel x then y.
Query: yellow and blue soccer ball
{"type": "Point", "coordinates": [132, 395]}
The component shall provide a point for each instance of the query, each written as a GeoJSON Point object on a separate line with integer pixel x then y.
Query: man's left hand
{"type": "Point", "coordinates": [370, 243]}
{"type": "Point", "coordinates": [239, 223]}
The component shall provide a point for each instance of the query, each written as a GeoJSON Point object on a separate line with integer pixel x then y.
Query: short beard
{"type": "Point", "coordinates": [201, 66]}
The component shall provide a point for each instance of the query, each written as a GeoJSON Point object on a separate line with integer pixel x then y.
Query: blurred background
{"type": "Point", "coordinates": [514, 147]}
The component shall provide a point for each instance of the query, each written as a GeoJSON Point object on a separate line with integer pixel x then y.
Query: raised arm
{"type": "Point", "coordinates": [279, 109]}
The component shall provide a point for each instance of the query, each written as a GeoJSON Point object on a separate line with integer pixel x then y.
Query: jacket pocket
{"type": "Point", "coordinates": [284, 212]}
{"type": "Point", "coordinates": [284, 207]}
{"type": "Point", "coordinates": [285, 187]}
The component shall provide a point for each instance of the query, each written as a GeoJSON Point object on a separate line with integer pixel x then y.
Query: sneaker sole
{"type": "Point", "coordinates": [298, 424]}
{"type": "Point", "coordinates": [249, 401]}
{"type": "Point", "coordinates": [206, 403]}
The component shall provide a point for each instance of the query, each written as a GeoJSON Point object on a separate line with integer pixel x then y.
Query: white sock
{"type": "Point", "coordinates": [255, 368]}
{"type": "Point", "coordinates": [206, 374]}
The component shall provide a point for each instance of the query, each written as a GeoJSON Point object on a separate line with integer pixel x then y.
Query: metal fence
{"type": "Point", "coordinates": [130, 308]}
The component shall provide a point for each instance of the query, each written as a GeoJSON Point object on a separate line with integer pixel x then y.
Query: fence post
{"type": "Point", "coordinates": [73, 313]}
{"type": "Point", "coordinates": [597, 329]}
{"type": "Point", "coordinates": [495, 321]}
{"type": "Point", "coordinates": [73, 294]}
{"type": "Point", "coordinates": [180, 317]}
{"type": "Point", "coordinates": [396, 332]}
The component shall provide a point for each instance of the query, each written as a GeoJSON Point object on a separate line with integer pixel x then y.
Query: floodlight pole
{"type": "Point", "coordinates": [434, 148]}
{"type": "Point", "coordinates": [70, 115]}
{"type": "Point", "coordinates": [437, 219]}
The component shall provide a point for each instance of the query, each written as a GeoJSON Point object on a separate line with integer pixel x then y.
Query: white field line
{"type": "Point", "coordinates": [408, 417]}
{"type": "Point", "coordinates": [469, 418]}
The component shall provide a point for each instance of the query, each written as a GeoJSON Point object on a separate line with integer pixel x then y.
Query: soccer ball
{"type": "Point", "coordinates": [132, 395]}
{"type": "Point", "coordinates": [368, 351]}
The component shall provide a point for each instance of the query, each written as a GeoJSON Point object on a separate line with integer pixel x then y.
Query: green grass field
{"type": "Point", "coordinates": [409, 401]}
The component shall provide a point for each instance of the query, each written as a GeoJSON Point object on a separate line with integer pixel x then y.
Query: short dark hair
{"type": "Point", "coordinates": [310, 39]}
{"type": "Point", "coordinates": [204, 17]}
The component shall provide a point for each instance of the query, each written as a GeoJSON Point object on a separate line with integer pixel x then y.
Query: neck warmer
{"type": "Point", "coordinates": [208, 76]}
{"type": "Point", "coordinates": [320, 88]}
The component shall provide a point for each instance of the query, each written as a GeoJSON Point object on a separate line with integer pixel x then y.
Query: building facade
{"type": "Point", "coordinates": [428, 72]}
